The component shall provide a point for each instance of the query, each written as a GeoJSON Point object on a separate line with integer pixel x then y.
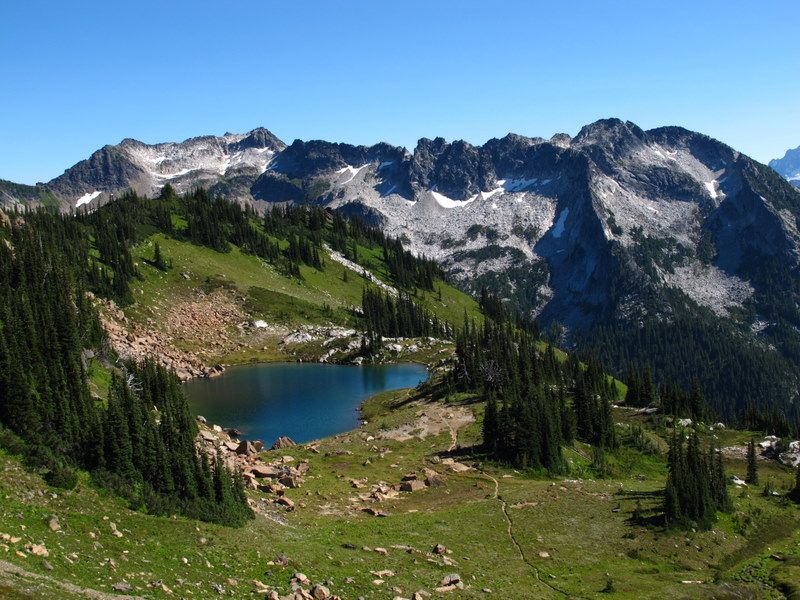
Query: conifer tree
{"type": "Point", "coordinates": [795, 493]}
{"type": "Point", "coordinates": [490, 425]}
{"type": "Point", "coordinates": [752, 463]}
{"type": "Point", "coordinates": [696, 484]}
{"type": "Point", "coordinates": [158, 259]}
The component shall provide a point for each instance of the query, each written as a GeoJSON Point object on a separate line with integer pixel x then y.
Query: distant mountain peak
{"type": "Point", "coordinates": [788, 166]}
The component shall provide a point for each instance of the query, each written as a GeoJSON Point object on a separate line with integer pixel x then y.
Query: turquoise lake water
{"type": "Point", "coordinates": [304, 401]}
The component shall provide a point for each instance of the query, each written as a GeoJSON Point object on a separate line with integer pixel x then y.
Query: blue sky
{"type": "Point", "coordinates": [78, 75]}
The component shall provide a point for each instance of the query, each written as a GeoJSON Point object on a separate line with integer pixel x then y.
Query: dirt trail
{"type": "Point", "coordinates": [24, 582]}
{"type": "Point", "coordinates": [510, 530]}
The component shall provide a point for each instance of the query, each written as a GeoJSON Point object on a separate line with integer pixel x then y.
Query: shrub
{"type": "Point", "coordinates": [61, 476]}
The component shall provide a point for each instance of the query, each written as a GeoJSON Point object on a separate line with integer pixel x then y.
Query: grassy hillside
{"type": "Point", "coordinates": [516, 535]}
{"type": "Point", "coordinates": [248, 273]}
{"type": "Point", "coordinates": [259, 291]}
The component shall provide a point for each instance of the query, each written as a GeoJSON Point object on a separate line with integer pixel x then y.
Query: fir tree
{"type": "Point", "coordinates": [752, 463]}
{"type": "Point", "coordinates": [158, 259]}
{"type": "Point", "coordinates": [696, 483]}
{"type": "Point", "coordinates": [795, 493]}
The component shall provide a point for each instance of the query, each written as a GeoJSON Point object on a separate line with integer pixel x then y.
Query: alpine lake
{"type": "Point", "coordinates": [304, 401]}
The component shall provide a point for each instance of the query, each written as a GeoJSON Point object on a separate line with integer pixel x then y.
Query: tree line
{"type": "Point", "coordinates": [141, 442]}
{"type": "Point", "coordinates": [389, 316]}
{"type": "Point", "coordinates": [534, 403]}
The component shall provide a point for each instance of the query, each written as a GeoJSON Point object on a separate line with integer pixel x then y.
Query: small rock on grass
{"type": "Point", "coordinates": [320, 592]}
{"type": "Point", "coordinates": [53, 523]}
{"type": "Point", "coordinates": [37, 550]}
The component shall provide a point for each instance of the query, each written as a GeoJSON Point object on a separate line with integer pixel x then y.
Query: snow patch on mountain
{"type": "Point", "coordinates": [558, 227]}
{"type": "Point", "coordinates": [490, 193]}
{"type": "Point", "coordinates": [353, 172]}
{"type": "Point", "coordinates": [518, 185]}
{"type": "Point", "coordinates": [446, 202]}
{"type": "Point", "coordinates": [86, 198]}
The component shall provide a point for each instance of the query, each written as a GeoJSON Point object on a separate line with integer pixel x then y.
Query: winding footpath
{"type": "Point", "coordinates": [510, 524]}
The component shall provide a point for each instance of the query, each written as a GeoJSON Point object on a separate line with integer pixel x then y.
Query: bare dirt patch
{"type": "Point", "coordinates": [432, 420]}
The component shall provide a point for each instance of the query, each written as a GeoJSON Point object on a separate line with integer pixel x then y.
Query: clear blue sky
{"type": "Point", "coordinates": [78, 75]}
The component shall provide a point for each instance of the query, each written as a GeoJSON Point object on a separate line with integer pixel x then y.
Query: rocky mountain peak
{"type": "Point", "coordinates": [788, 166]}
{"type": "Point", "coordinates": [259, 137]}
{"type": "Point", "coordinates": [562, 140]}
{"type": "Point", "coordinates": [610, 139]}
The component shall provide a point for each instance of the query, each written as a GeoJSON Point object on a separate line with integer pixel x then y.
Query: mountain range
{"type": "Point", "coordinates": [663, 243]}
{"type": "Point", "coordinates": [788, 166]}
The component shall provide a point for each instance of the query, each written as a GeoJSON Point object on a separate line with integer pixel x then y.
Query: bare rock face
{"type": "Point", "coordinates": [206, 320]}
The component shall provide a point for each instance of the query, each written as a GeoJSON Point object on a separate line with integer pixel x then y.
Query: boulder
{"type": "Point", "coordinates": [262, 471]}
{"type": "Point", "coordinates": [291, 481]}
{"type": "Point", "coordinates": [433, 479]}
{"type": "Point", "coordinates": [449, 583]}
{"type": "Point", "coordinates": [301, 579]}
{"type": "Point", "coordinates": [283, 442]}
{"type": "Point", "coordinates": [374, 512]}
{"type": "Point", "coordinates": [284, 501]}
{"type": "Point", "coordinates": [271, 488]}
{"type": "Point", "coordinates": [791, 457]}
{"type": "Point", "coordinates": [412, 486]}
{"type": "Point", "coordinates": [245, 448]}
{"type": "Point", "coordinates": [320, 592]}
{"type": "Point", "coordinates": [122, 586]}
{"type": "Point", "coordinates": [37, 550]}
